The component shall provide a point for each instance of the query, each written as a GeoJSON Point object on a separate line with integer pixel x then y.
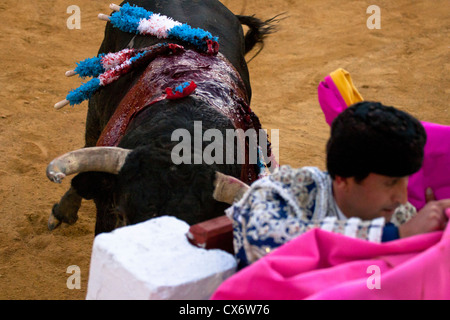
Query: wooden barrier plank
{"type": "Point", "coordinates": [215, 233]}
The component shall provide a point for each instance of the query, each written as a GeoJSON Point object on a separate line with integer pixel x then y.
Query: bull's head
{"type": "Point", "coordinates": [121, 163]}
{"type": "Point", "coordinates": [227, 189]}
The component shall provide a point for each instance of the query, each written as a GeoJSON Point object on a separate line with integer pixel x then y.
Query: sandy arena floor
{"type": "Point", "coordinates": [405, 64]}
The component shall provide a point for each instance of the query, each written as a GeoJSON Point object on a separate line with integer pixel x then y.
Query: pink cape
{"type": "Point", "coordinates": [320, 265]}
{"type": "Point", "coordinates": [435, 171]}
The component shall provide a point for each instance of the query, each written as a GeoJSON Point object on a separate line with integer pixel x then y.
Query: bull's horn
{"type": "Point", "coordinates": [228, 189]}
{"type": "Point", "coordinates": [103, 159]}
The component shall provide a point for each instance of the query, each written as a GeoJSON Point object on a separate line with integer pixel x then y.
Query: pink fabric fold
{"type": "Point", "coordinates": [435, 171]}
{"type": "Point", "coordinates": [325, 265]}
{"type": "Point", "coordinates": [330, 99]}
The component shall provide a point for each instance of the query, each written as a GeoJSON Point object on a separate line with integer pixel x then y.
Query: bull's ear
{"type": "Point", "coordinates": [94, 185]}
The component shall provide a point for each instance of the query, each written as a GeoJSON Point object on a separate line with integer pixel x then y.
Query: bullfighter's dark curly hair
{"type": "Point", "coordinates": [369, 137]}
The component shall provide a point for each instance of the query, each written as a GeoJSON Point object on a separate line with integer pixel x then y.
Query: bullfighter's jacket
{"type": "Point", "coordinates": [288, 203]}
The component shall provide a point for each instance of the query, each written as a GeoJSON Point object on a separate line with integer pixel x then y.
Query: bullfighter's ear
{"type": "Point", "coordinates": [228, 189]}
{"type": "Point", "coordinates": [94, 185]}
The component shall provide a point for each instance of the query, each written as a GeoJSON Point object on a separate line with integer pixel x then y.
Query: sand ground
{"type": "Point", "coordinates": [404, 64]}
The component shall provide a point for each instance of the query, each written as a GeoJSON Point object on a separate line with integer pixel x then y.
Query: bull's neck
{"type": "Point", "coordinates": [218, 84]}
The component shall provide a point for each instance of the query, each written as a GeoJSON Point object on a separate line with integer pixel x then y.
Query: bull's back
{"type": "Point", "coordinates": [210, 15]}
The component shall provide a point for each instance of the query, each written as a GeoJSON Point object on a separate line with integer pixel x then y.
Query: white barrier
{"type": "Point", "coordinates": [154, 260]}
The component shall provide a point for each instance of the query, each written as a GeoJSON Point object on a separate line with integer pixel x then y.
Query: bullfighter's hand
{"type": "Point", "coordinates": [432, 217]}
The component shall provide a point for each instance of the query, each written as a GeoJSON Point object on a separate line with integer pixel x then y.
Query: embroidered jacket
{"type": "Point", "coordinates": [280, 207]}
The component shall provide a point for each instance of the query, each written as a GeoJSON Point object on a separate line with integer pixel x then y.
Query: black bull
{"type": "Point", "coordinates": [144, 182]}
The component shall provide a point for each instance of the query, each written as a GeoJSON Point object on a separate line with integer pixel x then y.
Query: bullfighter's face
{"type": "Point", "coordinates": [375, 196]}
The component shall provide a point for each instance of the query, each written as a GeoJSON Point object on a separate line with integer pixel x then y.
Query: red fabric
{"type": "Point", "coordinates": [178, 95]}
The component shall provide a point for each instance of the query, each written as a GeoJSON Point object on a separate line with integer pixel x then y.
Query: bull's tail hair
{"type": "Point", "coordinates": [258, 30]}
